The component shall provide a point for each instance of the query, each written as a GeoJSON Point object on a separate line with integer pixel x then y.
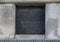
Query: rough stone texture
{"type": "Point", "coordinates": [7, 21]}
{"type": "Point", "coordinates": [52, 20]}
{"type": "Point", "coordinates": [30, 37]}
{"type": "Point", "coordinates": [31, 1]}
{"type": "Point", "coordinates": [29, 40]}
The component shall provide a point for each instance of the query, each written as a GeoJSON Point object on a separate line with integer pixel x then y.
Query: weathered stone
{"type": "Point", "coordinates": [29, 1]}
{"type": "Point", "coordinates": [52, 20]}
{"type": "Point", "coordinates": [24, 1]}
{"type": "Point", "coordinates": [7, 20]}
{"type": "Point", "coordinates": [30, 37]}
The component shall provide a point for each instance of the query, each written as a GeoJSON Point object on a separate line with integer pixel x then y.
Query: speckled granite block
{"type": "Point", "coordinates": [7, 21]}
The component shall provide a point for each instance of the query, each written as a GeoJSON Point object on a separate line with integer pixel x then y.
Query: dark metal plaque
{"type": "Point", "coordinates": [30, 20]}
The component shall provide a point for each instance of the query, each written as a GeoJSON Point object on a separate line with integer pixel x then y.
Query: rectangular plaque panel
{"type": "Point", "coordinates": [30, 20]}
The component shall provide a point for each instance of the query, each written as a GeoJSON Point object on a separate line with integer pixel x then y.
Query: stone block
{"type": "Point", "coordinates": [38, 1]}
{"type": "Point", "coordinates": [52, 20]}
{"type": "Point", "coordinates": [7, 21]}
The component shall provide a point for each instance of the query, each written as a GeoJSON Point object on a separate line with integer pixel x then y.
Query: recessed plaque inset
{"type": "Point", "coordinates": [30, 20]}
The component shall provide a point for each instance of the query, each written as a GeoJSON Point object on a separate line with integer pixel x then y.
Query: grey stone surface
{"type": "Point", "coordinates": [29, 40]}
{"type": "Point", "coordinates": [7, 21]}
{"type": "Point", "coordinates": [15, 1]}
{"type": "Point", "coordinates": [52, 20]}
{"type": "Point", "coordinates": [29, 37]}
{"type": "Point", "coordinates": [1, 0]}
